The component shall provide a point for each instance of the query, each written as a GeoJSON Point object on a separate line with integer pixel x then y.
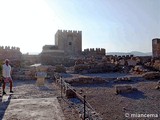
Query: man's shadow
{"type": "Point", "coordinates": [3, 107]}
{"type": "Point", "coordinates": [134, 95]}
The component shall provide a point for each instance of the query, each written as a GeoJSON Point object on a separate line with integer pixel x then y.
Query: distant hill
{"type": "Point", "coordinates": [135, 53]}
{"type": "Point", "coordinates": [32, 53]}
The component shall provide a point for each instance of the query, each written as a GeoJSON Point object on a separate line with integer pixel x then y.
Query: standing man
{"type": "Point", "coordinates": [6, 72]}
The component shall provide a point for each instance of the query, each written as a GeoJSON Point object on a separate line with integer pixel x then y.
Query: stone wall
{"type": "Point", "coordinates": [55, 58]}
{"type": "Point", "coordinates": [50, 47]}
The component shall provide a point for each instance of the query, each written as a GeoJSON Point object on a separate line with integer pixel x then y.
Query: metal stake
{"type": "Point", "coordinates": [61, 86]}
{"type": "Point", "coordinates": [84, 106]}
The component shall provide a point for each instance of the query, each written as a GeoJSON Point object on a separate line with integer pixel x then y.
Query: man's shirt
{"type": "Point", "coordinates": [6, 71]}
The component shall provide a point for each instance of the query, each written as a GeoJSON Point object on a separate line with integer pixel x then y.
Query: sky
{"type": "Point", "coordinates": [116, 25]}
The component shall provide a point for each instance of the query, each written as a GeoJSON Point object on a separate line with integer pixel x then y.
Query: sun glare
{"type": "Point", "coordinates": [26, 23]}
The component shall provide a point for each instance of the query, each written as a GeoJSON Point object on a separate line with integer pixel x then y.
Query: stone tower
{"type": "Point", "coordinates": [69, 41]}
{"type": "Point", "coordinates": [156, 47]}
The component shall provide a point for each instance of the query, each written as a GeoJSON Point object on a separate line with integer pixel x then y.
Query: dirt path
{"type": "Point", "coordinates": [30, 102]}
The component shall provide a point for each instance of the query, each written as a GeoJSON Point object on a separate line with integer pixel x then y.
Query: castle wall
{"type": "Point", "coordinates": [156, 47]}
{"type": "Point", "coordinates": [30, 59]}
{"type": "Point", "coordinates": [67, 44]}
{"type": "Point", "coordinates": [11, 53]}
{"type": "Point", "coordinates": [92, 51]}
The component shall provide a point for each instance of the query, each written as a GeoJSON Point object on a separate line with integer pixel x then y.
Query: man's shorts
{"type": "Point", "coordinates": [7, 79]}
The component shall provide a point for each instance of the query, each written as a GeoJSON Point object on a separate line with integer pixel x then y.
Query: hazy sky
{"type": "Point", "coordinates": [117, 25]}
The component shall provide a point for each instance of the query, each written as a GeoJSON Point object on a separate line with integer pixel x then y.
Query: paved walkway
{"type": "Point", "coordinates": [30, 102]}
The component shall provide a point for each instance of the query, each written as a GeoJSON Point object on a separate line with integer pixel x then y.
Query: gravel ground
{"type": "Point", "coordinates": [68, 109]}
{"type": "Point", "coordinates": [27, 89]}
{"type": "Point", "coordinates": [110, 106]}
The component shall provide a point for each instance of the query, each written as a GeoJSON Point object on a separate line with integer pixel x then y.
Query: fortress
{"type": "Point", "coordinates": [11, 53]}
{"type": "Point", "coordinates": [68, 45]}
{"type": "Point", "coordinates": [66, 42]}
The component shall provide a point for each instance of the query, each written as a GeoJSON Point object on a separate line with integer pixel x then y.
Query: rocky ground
{"type": "Point", "coordinates": [32, 102]}
{"type": "Point", "coordinates": [110, 106]}
{"type": "Point", "coordinates": [102, 98]}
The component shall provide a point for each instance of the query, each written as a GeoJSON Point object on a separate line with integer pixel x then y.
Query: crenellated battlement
{"type": "Point", "coordinates": [69, 31]}
{"type": "Point", "coordinates": [9, 48]}
{"type": "Point", "coordinates": [93, 51]}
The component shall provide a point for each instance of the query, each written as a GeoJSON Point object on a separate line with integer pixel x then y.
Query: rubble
{"type": "Point", "coordinates": [92, 66]}
{"type": "Point", "coordinates": [158, 85]}
{"type": "Point", "coordinates": [60, 69]}
{"type": "Point", "coordinates": [138, 69]}
{"type": "Point", "coordinates": [123, 79]}
{"type": "Point", "coordinates": [151, 75]}
{"type": "Point", "coordinates": [24, 74]}
{"type": "Point", "coordinates": [156, 64]}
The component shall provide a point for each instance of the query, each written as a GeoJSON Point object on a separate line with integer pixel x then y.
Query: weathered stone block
{"type": "Point", "coordinates": [124, 89]}
{"type": "Point", "coordinates": [70, 93]}
{"type": "Point", "coordinates": [158, 85]}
